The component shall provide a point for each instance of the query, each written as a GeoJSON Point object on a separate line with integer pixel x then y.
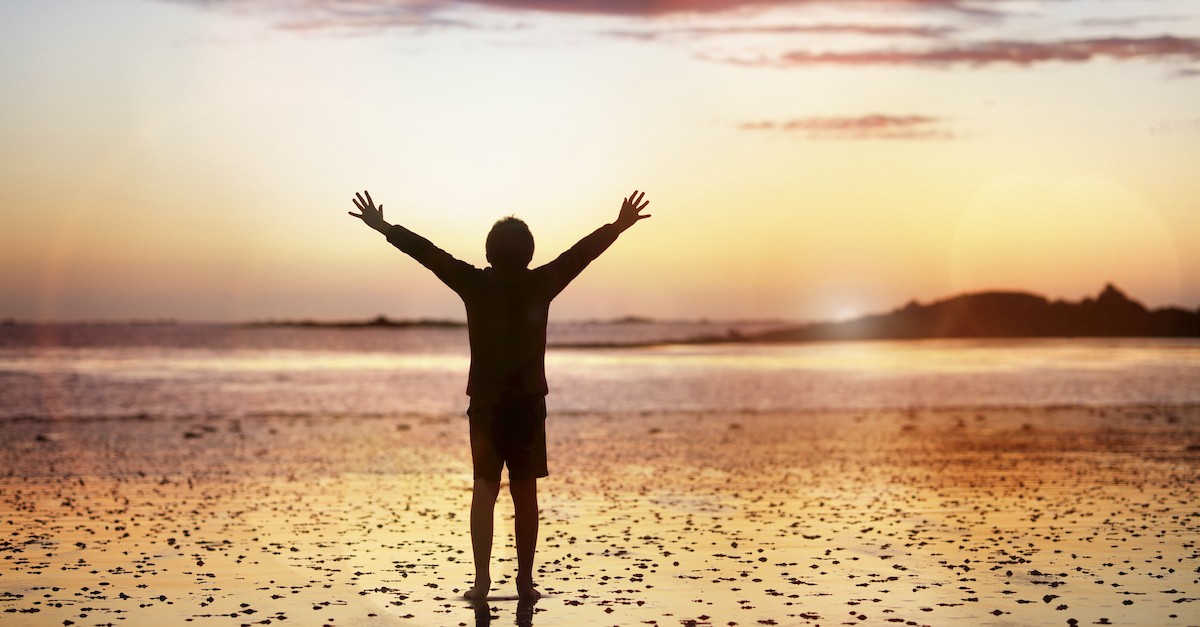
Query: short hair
{"type": "Point", "coordinates": [510, 244]}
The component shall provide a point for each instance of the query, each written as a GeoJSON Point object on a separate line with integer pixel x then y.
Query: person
{"type": "Point", "coordinates": [507, 306]}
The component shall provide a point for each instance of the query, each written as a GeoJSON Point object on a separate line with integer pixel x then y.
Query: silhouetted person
{"type": "Point", "coordinates": [507, 307]}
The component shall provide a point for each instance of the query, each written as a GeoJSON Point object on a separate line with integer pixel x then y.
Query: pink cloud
{"type": "Point", "coordinates": [880, 30]}
{"type": "Point", "coordinates": [315, 14]}
{"type": "Point", "coordinates": [1015, 52]}
{"type": "Point", "coordinates": [665, 7]}
{"type": "Point", "coordinates": [874, 126]}
{"type": "Point", "coordinates": [1124, 22]}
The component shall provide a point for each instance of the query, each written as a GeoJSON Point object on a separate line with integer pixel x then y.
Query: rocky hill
{"type": "Point", "coordinates": [1005, 314]}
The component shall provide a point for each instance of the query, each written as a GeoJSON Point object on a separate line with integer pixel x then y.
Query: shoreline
{"type": "Point", "coordinates": [956, 516]}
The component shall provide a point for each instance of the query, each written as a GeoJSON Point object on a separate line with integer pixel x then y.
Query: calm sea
{"type": "Point", "coordinates": [86, 371]}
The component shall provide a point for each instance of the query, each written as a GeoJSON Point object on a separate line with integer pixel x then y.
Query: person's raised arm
{"type": "Point", "coordinates": [631, 211]}
{"type": "Point", "coordinates": [451, 271]}
{"type": "Point", "coordinates": [568, 265]}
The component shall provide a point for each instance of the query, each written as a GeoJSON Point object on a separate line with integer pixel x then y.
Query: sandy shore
{"type": "Point", "coordinates": [1055, 516]}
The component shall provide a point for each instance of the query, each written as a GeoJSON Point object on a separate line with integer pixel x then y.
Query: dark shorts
{"type": "Point", "coordinates": [509, 432]}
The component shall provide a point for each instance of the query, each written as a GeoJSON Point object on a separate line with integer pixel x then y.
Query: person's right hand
{"type": "Point", "coordinates": [371, 215]}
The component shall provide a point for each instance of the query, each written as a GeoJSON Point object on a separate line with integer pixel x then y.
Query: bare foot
{"type": "Point", "coordinates": [478, 592]}
{"type": "Point", "coordinates": [526, 591]}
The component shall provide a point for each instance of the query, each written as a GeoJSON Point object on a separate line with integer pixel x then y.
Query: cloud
{"type": "Point", "coordinates": [623, 7]}
{"type": "Point", "coordinates": [718, 19]}
{"type": "Point", "coordinates": [874, 126]}
{"type": "Point", "coordinates": [877, 30]}
{"type": "Point", "coordinates": [358, 22]}
{"type": "Point", "coordinates": [1133, 20]}
{"type": "Point", "coordinates": [651, 8]}
{"type": "Point", "coordinates": [357, 15]}
{"type": "Point", "coordinates": [1013, 52]}
{"type": "Point", "coordinates": [378, 14]}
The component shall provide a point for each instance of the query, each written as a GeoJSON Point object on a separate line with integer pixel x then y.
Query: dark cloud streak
{"type": "Point", "coordinates": [1022, 53]}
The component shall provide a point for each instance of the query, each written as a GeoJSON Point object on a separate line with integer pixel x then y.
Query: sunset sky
{"type": "Point", "coordinates": [195, 159]}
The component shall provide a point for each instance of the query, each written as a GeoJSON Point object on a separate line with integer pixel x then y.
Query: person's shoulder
{"type": "Point", "coordinates": [544, 273]}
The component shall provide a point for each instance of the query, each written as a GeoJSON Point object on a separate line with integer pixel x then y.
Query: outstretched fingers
{"type": "Point", "coordinates": [365, 206]}
{"type": "Point", "coordinates": [635, 200]}
{"type": "Point", "coordinates": [635, 204]}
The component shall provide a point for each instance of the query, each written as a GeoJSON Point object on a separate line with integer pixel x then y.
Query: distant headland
{"type": "Point", "coordinates": [993, 314]}
{"type": "Point", "coordinates": [378, 322]}
{"type": "Point", "coordinates": [1002, 315]}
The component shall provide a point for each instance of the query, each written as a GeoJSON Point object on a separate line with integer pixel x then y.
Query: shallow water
{"type": "Point", "coordinates": [82, 371]}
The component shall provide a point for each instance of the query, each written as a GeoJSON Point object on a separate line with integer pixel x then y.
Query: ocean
{"type": "Point", "coordinates": [91, 371]}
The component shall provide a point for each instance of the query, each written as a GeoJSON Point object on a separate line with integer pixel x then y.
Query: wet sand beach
{"type": "Point", "coordinates": [1045, 516]}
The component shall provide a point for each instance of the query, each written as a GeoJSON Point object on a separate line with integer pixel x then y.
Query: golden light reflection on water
{"type": "Point", "coordinates": [96, 382]}
{"type": "Point", "coordinates": [901, 356]}
{"type": "Point", "coordinates": [130, 364]}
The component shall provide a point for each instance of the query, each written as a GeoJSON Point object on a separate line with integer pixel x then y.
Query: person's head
{"type": "Point", "coordinates": [510, 244]}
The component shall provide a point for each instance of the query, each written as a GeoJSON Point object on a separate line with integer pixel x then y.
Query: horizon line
{"type": "Point", "coordinates": [383, 319]}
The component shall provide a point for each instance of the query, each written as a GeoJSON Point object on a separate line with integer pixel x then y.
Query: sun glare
{"type": "Point", "coordinates": [845, 313]}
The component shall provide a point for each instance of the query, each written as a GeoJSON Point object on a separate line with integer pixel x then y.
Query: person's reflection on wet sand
{"type": "Point", "coordinates": [484, 616]}
{"type": "Point", "coordinates": [525, 612]}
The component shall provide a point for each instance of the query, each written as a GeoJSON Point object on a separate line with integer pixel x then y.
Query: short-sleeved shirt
{"type": "Point", "coordinates": [507, 310]}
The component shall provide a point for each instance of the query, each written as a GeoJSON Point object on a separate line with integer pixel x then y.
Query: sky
{"type": "Point", "coordinates": [804, 160]}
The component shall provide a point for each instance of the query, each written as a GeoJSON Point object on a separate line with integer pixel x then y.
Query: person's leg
{"type": "Point", "coordinates": [525, 506]}
{"type": "Point", "coordinates": [487, 463]}
{"type": "Point", "coordinates": [483, 505]}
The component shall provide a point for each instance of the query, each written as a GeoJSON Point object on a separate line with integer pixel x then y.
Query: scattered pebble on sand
{"type": "Point", "coordinates": [999, 516]}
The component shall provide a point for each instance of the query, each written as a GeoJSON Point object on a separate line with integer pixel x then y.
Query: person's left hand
{"type": "Point", "coordinates": [631, 210]}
